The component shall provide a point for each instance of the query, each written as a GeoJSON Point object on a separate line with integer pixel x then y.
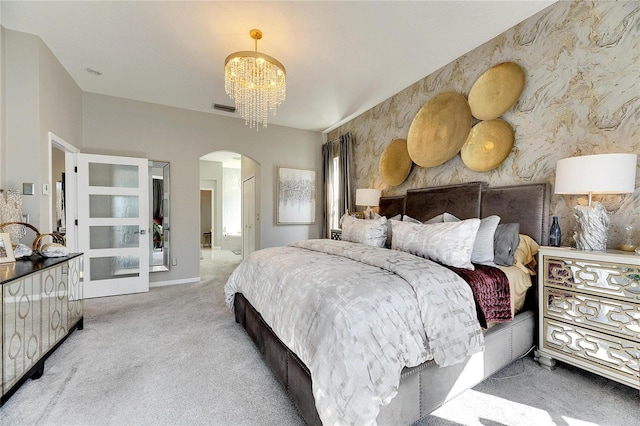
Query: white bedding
{"type": "Point", "coordinates": [356, 316]}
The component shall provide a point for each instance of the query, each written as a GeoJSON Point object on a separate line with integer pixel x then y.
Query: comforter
{"type": "Point", "coordinates": [356, 316]}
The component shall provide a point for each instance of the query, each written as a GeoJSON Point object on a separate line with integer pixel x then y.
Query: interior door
{"type": "Point", "coordinates": [113, 224]}
{"type": "Point", "coordinates": [248, 217]}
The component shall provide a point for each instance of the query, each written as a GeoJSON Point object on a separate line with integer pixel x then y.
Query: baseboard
{"type": "Point", "coordinates": [174, 282]}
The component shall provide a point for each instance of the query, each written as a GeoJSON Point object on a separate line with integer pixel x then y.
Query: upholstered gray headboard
{"type": "Point", "coordinates": [392, 205]}
{"type": "Point", "coordinates": [526, 204]}
{"type": "Point", "coordinates": [461, 200]}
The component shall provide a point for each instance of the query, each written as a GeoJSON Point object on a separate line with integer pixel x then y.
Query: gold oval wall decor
{"type": "Point", "coordinates": [439, 129]}
{"type": "Point", "coordinates": [488, 145]}
{"type": "Point", "coordinates": [395, 163]}
{"type": "Point", "coordinates": [496, 90]}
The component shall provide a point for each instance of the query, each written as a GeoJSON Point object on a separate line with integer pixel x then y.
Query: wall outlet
{"type": "Point", "coordinates": [174, 261]}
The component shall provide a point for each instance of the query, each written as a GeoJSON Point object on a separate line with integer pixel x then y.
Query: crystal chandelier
{"type": "Point", "coordinates": [257, 83]}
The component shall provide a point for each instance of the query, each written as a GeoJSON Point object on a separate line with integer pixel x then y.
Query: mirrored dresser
{"type": "Point", "coordinates": [589, 311]}
{"type": "Point", "coordinates": [41, 305]}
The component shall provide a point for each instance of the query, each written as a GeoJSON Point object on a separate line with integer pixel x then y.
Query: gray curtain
{"type": "Point", "coordinates": [327, 169]}
{"type": "Point", "coordinates": [158, 199]}
{"type": "Point", "coordinates": [340, 148]}
{"type": "Point", "coordinates": [345, 174]}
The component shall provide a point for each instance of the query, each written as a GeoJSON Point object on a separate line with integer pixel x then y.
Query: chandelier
{"type": "Point", "coordinates": [257, 83]}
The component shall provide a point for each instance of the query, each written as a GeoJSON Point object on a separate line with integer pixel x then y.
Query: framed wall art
{"type": "Point", "coordinates": [6, 249]}
{"type": "Point", "coordinates": [295, 196]}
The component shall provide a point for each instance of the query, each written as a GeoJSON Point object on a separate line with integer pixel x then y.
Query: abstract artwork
{"type": "Point", "coordinates": [296, 196]}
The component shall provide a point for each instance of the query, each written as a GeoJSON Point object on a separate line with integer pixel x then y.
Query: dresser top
{"type": "Point", "coordinates": [22, 267]}
{"type": "Point", "coordinates": [616, 256]}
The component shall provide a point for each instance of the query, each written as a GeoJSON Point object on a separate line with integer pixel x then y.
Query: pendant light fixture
{"type": "Point", "coordinates": [256, 82]}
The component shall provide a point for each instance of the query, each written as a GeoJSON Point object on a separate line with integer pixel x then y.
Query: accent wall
{"type": "Point", "coordinates": [581, 97]}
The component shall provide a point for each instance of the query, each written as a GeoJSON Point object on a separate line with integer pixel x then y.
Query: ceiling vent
{"type": "Point", "coordinates": [225, 108]}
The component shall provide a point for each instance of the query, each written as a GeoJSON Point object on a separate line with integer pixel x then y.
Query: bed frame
{"type": "Point", "coordinates": [425, 387]}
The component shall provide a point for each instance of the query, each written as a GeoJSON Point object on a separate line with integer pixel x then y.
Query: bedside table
{"type": "Point", "coordinates": [589, 311]}
{"type": "Point", "coordinates": [336, 234]}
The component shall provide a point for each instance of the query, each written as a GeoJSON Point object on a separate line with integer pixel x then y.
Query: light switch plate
{"type": "Point", "coordinates": [28, 188]}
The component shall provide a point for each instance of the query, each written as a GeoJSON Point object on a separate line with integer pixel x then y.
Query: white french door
{"type": "Point", "coordinates": [113, 224]}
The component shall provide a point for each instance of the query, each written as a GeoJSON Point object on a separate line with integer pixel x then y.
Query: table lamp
{"type": "Point", "coordinates": [368, 197]}
{"type": "Point", "coordinates": [595, 174]}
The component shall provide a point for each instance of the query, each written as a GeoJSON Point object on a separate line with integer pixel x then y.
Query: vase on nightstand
{"type": "Point", "coordinates": [628, 238]}
{"type": "Point", "coordinates": [555, 236]}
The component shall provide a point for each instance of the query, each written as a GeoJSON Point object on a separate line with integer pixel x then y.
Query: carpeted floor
{"type": "Point", "coordinates": [175, 356]}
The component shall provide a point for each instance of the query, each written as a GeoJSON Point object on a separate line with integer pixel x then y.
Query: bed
{"type": "Point", "coordinates": [422, 387]}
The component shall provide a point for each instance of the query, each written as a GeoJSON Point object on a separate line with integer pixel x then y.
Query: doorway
{"type": "Point", "coordinates": [206, 217]}
{"type": "Point", "coordinates": [222, 176]}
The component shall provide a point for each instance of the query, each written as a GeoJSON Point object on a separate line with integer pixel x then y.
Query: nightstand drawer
{"type": "Point", "coordinates": [605, 279]}
{"type": "Point", "coordinates": [606, 354]}
{"type": "Point", "coordinates": [608, 315]}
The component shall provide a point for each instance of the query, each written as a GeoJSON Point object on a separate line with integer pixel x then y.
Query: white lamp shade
{"type": "Point", "coordinates": [368, 197]}
{"type": "Point", "coordinates": [597, 174]}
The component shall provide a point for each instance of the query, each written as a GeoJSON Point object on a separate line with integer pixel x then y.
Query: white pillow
{"type": "Point", "coordinates": [450, 243]}
{"type": "Point", "coordinates": [372, 232]}
{"type": "Point", "coordinates": [483, 247]}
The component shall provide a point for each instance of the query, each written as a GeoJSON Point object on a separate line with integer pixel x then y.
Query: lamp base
{"type": "Point", "coordinates": [592, 226]}
{"type": "Point", "coordinates": [368, 213]}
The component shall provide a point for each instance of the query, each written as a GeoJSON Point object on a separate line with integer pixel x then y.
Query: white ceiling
{"type": "Point", "coordinates": [342, 57]}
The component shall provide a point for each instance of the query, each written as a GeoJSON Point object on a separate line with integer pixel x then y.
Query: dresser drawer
{"type": "Point", "coordinates": [604, 353]}
{"type": "Point", "coordinates": [611, 316]}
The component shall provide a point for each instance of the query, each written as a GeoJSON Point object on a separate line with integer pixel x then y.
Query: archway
{"type": "Point", "coordinates": [228, 212]}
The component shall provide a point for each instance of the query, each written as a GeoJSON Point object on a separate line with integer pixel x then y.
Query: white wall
{"type": "Point", "coordinates": [41, 97]}
{"type": "Point", "coordinates": [231, 201]}
{"type": "Point", "coordinates": [117, 126]}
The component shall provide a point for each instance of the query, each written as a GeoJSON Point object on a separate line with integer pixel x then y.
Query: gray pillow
{"type": "Point", "coordinates": [505, 243]}
{"type": "Point", "coordinates": [397, 217]}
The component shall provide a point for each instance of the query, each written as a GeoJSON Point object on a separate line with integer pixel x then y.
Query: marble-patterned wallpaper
{"type": "Point", "coordinates": [581, 96]}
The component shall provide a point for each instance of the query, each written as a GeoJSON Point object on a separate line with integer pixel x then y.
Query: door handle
{"type": "Point", "coordinates": [141, 232]}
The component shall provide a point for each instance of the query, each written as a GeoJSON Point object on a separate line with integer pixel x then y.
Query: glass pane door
{"type": "Point", "coordinates": [113, 234]}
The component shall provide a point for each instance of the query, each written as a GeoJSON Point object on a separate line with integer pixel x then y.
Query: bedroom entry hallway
{"type": "Point", "coordinates": [228, 206]}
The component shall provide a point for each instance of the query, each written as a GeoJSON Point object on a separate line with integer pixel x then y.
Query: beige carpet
{"type": "Point", "coordinates": [175, 356]}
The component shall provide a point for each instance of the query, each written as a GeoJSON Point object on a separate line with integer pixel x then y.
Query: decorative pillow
{"type": "Point", "coordinates": [397, 218]}
{"type": "Point", "coordinates": [483, 247]}
{"type": "Point", "coordinates": [409, 219]}
{"type": "Point", "coordinates": [435, 219]}
{"type": "Point", "coordinates": [524, 257]}
{"type": "Point", "coordinates": [448, 217]}
{"type": "Point", "coordinates": [505, 243]}
{"type": "Point", "coordinates": [372, 232]}
{"type": "Point", "coordinates": [447, 243]}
